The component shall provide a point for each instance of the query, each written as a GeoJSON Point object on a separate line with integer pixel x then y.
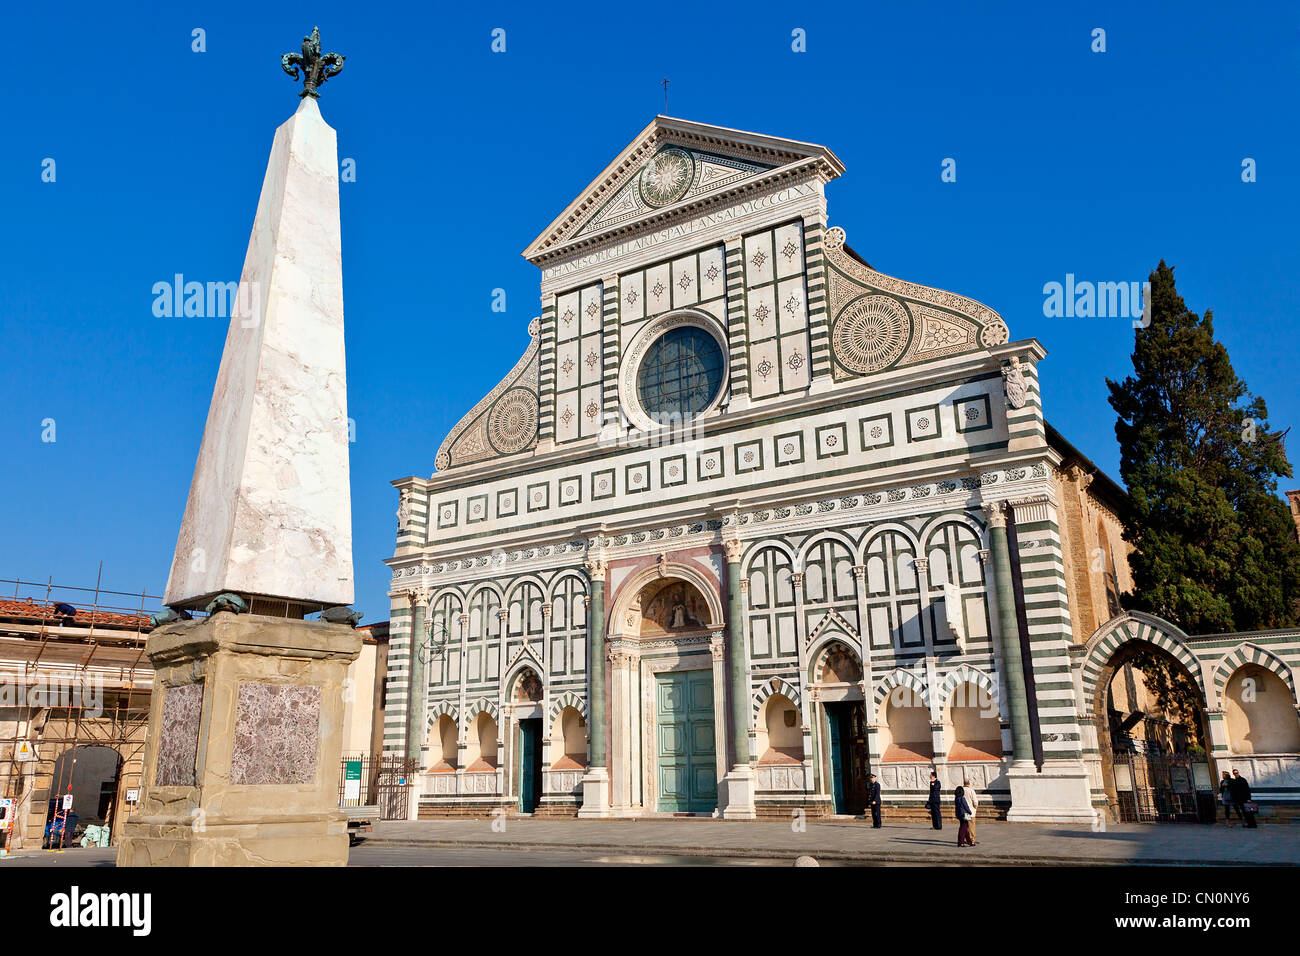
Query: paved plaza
{"type": "Point", "coordinates": [855, 841]}
{"type": "Point", "coordinates": [526, 842]}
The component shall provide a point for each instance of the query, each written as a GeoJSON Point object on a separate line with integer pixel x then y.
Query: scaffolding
{"type": "Point", "coordinates": [96, 654]}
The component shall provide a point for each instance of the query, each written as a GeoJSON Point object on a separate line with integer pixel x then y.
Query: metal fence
{"type": "Point", "coordinates": [366, 780]}
{"type": "Point", "coordinates": [1163, 788]}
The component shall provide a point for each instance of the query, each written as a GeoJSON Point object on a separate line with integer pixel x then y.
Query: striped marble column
{"type": "Point", "coordinates": [739, 784]}
{"type": "Point", "coordinates": [1011, 662]}
{"type": "Point", "coordinates": [415, 691]}
{"type": "Point", "coordinates": [595, 783]}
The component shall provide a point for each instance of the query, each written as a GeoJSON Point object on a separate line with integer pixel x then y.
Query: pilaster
{"type": "Point", "coordinates": [737, 334]}
{"type": "Point", "coordinates": [610, 345]}
{"type": "Point", "coordinates": [546, 378]}
{"type": "Point", "coordinates": [548, 758]}
{"type": "Point", "coordinates": [814, 232]}
{"type": "Point", "coordinates": [740, 782]}
{"type": "Point", "coordinates": [595, 783]}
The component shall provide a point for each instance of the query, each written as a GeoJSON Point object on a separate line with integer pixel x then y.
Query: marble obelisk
{"type": "Point", "coordinates": [242, 756]}
{"type": "Point", "coordinates": [269, 513]}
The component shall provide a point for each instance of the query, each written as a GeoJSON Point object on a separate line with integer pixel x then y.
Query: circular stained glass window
{"type": "Point", "coordinates": [680, 375]}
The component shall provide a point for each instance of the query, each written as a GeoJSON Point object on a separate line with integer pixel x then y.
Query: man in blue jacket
{"type": "Point", "coordinates": [935, 803]}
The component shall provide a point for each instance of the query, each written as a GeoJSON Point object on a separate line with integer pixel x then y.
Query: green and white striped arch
{"type": "Point", "coordinates": [1245, 654]}
{"type": "Point", "coordinates": [1124, 629]}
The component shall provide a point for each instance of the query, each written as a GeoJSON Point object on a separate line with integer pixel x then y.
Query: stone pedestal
{"type": "Point", "coordinates": [595, 794]}
{"type": "Point", "coordinates": [241, 763]}
{"type": "Point", "coordinates": [738, 790]}
{"type": "Point", "coordinates": [1059, 794]}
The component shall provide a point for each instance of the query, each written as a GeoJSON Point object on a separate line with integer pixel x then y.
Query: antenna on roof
{"type": "Point", "coordinates": [664, 84]}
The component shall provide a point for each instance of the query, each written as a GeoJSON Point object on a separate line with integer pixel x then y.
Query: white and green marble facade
{"type": "Point", "coordinates": [1213, 660]}
{"type": "Point", "coordinates": [865, 430]}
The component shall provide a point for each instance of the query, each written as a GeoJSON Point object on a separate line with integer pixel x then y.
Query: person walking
{"type": "Point", "coordinates": [972, 801]}
{"type": "Point", "coordinates": [1225, 797]}
{"type": "Point", "coordinates": [935, 803]}
{"type": "Point", "coordinates": [1241, 797]}
{"type": "Point", "coordinates": [964, 816]}
{"type": "Point", "coordinates": [873, 801]}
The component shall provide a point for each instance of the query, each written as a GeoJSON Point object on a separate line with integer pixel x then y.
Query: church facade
{"type": "Point", "coordinates": [750, 520]}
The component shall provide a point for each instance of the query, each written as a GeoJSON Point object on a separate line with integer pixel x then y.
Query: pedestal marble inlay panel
{"type": "Point", "coordinates": [277, 732]}
{"type": "Point", "coordinates": [178, 744]}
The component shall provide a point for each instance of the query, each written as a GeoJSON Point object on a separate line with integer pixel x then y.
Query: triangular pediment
{"type": "Point", "coordinates": [672, 165]}
{"type": "Point", "coordinates": [833, 620]}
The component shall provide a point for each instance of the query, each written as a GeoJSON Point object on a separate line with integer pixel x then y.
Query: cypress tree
{"type": "Point", "coordinates": [1216, 547]}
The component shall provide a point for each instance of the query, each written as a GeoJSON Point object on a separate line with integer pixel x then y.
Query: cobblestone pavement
{"type": "Point", "coordinates": [903, 842]}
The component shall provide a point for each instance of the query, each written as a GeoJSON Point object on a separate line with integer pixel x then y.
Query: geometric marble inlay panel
{"type": "Point", "coordinates": [178, 742]}
{"type": "Point", "coordinates": [277, 732]}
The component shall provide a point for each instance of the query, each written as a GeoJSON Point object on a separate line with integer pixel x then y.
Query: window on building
{"type": "Point", "coordinates": [681, 374]}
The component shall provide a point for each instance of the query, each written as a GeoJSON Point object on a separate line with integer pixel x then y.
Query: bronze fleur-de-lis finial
{"type": "Point", "coordinates": [316, 68]}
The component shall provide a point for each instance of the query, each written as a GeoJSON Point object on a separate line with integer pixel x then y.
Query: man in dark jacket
{"type": "Point", "coordinates": [1225, 797]}
{"type": "Point", "coordinates": [935, 803]}
{"type": "Point", "coordinates": [873, 801]}
{"type": "Point", "coordinates": [1241, 797]}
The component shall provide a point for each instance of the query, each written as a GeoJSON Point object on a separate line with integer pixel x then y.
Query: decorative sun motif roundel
{"type": "Point", "coordinates": [667, 176]}
{"type": "Point", "coordinates": [512, 422]}
{"type": "Point", "coordinates": [871, 334]}
{"type": "Point", "coordinates": [834, 237]}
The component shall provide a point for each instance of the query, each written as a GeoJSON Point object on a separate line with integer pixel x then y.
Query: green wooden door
{"type": "Point", "coordinates": [530, 765]}
{"type": "Point", "coordinates": [846, 740]}
{"type": "Point", "coordinates": [835, 744]}
{"type": "Point", "coordinates": [688, 770]}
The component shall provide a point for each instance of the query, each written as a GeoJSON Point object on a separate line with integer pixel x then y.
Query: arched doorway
{"type": "Point", "coordinates": [1144, 697]}
{"type": "Point", "coordinates": [90, 773]}
{"type": "Point", "coordinates": [667, 691]}
{"type": "Point", "coordinates": [836, 682]}
{"type": "Point", "coordinates": [526, 709]}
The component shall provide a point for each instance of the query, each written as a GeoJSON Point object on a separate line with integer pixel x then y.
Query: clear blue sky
{"type": "Point", "coordinates": [1067, 162]}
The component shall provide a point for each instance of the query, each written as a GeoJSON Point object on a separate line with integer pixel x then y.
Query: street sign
{"type": "Point", "coordinates": [24, 750]}
{"type": "Point", "coordinates": [352, 780]}
{"type": "Point", "coordinates": [67, 801]}
{"type": "Point", "coordinates": [133, 796]}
